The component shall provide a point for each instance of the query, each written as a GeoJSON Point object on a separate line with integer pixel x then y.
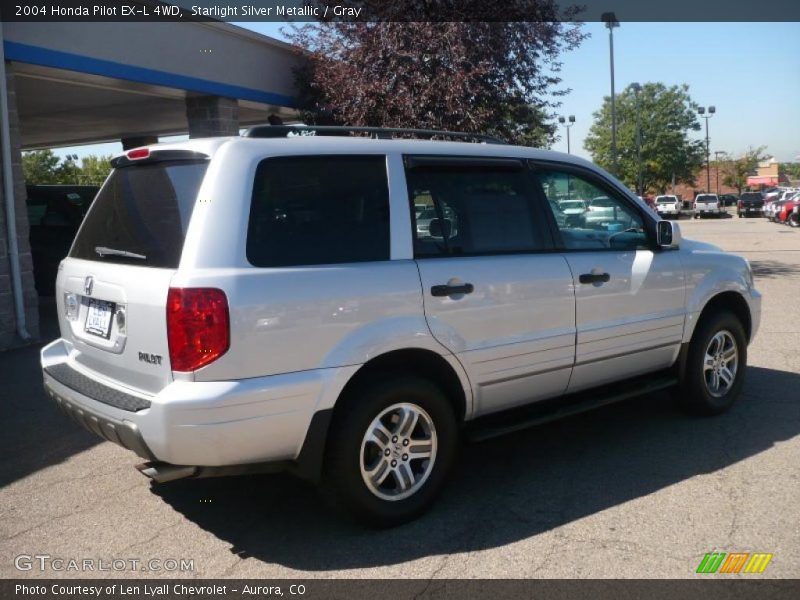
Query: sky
{"type": "Point", "coordinates": [749, 71]}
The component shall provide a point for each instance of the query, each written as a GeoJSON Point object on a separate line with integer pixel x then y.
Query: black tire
{"type": "Point", "coordinates": [694, 392]}
{"type": "Point", "coordinates": [342, 476]}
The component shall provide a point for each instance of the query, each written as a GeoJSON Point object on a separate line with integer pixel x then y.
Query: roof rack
{"type": "Point", "coordinates": [381, 133]}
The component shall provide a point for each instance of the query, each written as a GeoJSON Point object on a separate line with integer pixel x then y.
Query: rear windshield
{"type": "Point", "coordinates": [666, 199]}
{"type": "Point", "coordinates": [754, 196]}
{"type": "Point", "coordinates": [707, 198]}
{"type": "Point", "coordinates": [141, 214]}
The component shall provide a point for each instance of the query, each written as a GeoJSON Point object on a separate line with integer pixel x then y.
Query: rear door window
{"type": "Point", "coordinates": [473, 210]}
{"type": "Point", "coordinates": [316, 210]}
{"type": "Point", "coordinates": [141, 214]}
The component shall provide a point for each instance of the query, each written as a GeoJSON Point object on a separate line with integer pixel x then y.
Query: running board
{"type": "Point", "coordinates": [516, 419]}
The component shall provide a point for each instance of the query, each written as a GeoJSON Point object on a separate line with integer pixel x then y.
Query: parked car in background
{"type": "Point", "coordinates": [54, 213]}
{"type": "Point", "coordinates": [601, 210]}
{"type": "Point", "coordinates": [794, 217]}
{"type": "Point", "coordinates": [669, 206]}
{"type": "Point", "coordinates": [431, 216]}
{"type": "Point", "coordinates": [573, 210]}
{"type": "Point", "coordinates": [773, 208]}
{"type": "Point", "coordinates": [707, 204]}
{"type": "Point", "coordinates": [750, 203]}
{"type": "Point", "coordinates": [787, 209]}
{"type": "Point", "coordinates": [728, 199]}
{"type": "Point", "coordinates": [769, 209]}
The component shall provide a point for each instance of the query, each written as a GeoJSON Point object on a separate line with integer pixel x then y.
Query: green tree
{"type": "Point", "coordinates": [43, 167]}
{"type": "Point", "coordinates": [735, 172]}
{"type": "Point", "coordinates": [68, 171]}
{"type": "Point", "coordinates": [667, 115]}
{"type": "Point", "coordinates": [792, 170]}
{"type": "Point", "coordinates": [40, 167]}
{"type": "Point", "coordinates": [95, 169]}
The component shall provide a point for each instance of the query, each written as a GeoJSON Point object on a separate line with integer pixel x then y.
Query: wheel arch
{"type": "Point", "coordinates": [414, 361]}
{"type": "Point", "coordinates": [445, 371]}
{"type": "Point", "coordinates": [726, 300]}
{"type": "Point", "coordinates": [735, 303]}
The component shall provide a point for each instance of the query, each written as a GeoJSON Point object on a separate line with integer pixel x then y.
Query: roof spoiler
{"type": "Point", "coordinates": [146, 156]}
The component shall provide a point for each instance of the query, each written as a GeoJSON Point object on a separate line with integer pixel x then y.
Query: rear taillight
{"type": "Point", "coordinates": [198, 327]}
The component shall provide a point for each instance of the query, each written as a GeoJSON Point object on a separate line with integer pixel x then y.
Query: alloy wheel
{"type": "Point", "coordinates": [720, 363]}
{"type": "Point", "coordinates": [398, 451]}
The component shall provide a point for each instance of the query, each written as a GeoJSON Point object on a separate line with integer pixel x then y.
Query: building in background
{"type": "Point", "coordinates": [80, 83]}
{"type": "Point", "coordinates": [768, 174]}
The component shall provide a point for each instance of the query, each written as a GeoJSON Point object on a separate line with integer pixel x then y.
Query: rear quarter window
{"type": "Point", "coordinates": [316, 210]}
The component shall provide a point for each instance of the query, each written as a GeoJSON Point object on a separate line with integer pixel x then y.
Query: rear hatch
{"type": "Point", "coordinates": [707, 201]}
{"type": "Point", "coordinates": [112, 288]}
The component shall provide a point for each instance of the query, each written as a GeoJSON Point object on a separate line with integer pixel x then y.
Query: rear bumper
{"type": "Point", "coordinates": [123, 433]}
{"type": "Point", "coordinates": [221, 423]}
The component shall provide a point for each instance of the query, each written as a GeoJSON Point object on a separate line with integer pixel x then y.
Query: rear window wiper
{"type": "Point", "coordinates": [103, 251]}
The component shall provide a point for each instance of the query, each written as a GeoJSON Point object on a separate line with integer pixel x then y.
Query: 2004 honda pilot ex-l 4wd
{"type": "Point", "coordinates": [235, 304]}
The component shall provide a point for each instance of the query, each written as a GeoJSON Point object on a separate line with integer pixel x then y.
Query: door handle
{"type": "Point", "coordinates": [452, 290]}
{"type": "Point", "coordinates": [594, 278]}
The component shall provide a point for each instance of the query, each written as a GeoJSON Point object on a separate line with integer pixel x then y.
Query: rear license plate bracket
{"type": "Point", "coordinates": [98, 318]}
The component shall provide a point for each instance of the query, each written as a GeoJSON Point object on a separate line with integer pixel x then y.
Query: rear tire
{"type": "Point", "coordinates": [391, 447]}
{"type": "Point", "coordinates": [715, 365]}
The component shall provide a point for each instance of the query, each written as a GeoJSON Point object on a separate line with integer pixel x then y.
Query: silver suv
{"type": "Point", "coordinates": [245, 304]}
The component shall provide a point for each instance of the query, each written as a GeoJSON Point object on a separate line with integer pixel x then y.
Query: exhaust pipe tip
{"type": "Point", "coordinates": [163, 472]}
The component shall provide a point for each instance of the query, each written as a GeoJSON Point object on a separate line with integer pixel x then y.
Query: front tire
{"type": "Point", "coordinates": [391, 448]}
{"type": "Point", "coordinates": [715, 367]}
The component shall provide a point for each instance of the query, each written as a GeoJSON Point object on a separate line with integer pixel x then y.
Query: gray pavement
{"type": "Point", "coordinates": [632, 490]}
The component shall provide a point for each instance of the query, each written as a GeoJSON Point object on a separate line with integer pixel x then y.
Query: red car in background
{"type": "Point", "coordinates": [789, 212]}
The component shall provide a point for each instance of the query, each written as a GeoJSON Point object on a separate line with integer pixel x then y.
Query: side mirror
{"type": "Point", "coordinates": [440, 228]}
{"type": "Point", "coordinates": [668, 234]}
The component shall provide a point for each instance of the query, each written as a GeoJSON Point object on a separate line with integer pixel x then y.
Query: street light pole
{"type": "Point", "coordinates": [639, 183]}
{"type": "Point", "coordinates": [567, 124]}
{"type": "Point", "coordinates": [716, 158]}
{"type": "Point", "coordinates": [711, 111]}
{"type": "Point", "coordinates": [611, 21]}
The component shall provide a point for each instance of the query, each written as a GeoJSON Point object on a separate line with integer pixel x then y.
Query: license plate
{"type": "Point", "coordinates": [98, 319]}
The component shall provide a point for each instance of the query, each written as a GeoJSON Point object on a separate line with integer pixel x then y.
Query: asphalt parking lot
{"type": "Point", "coordinates": [633, 490]}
